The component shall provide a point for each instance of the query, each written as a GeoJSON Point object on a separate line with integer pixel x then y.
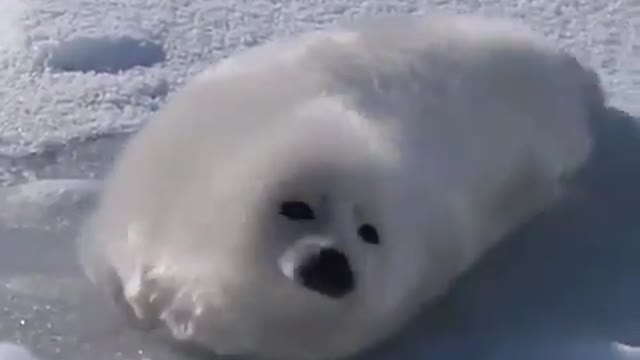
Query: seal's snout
{"type": "Point", "coordinates": [327, 272]}
{"type": "Point", "coordinates": [319, 267]}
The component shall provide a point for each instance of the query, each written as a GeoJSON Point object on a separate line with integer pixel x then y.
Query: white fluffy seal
{"type": "Point", "coordinates": [302, 200]}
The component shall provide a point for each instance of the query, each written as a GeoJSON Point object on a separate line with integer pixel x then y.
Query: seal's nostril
{"type": "Point", "coordinates": [328, 272]}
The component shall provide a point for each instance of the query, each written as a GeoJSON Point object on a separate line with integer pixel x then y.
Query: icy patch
{"type": "Point", "coordinates": [88, 158]}
{"type": "Point", "coordinates": [9, 351]}
{"type": "Point", "coordinates": [11, 32]}
{"type": "Point", "coordinates": [46, 287]}
{"type": "Point", "coordinates": [42, 203]}
{"type": "Point", "coordinates": [102, 54]}
{"type": "Point", "coordinates": [627, 352]}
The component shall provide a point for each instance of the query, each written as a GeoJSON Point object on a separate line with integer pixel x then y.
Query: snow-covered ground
{"type": "Point", "coordinates": [78, 75]}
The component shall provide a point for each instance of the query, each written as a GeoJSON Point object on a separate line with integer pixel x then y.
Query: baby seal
{"type": "Point", "coordinates": [305, 198]}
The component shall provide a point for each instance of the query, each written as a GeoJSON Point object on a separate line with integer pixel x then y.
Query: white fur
{"type": "Point", "coordinates": [445, 132]}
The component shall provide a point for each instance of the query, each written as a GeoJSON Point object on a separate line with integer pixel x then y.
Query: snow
{"type": "Point", "coordinates": [10, 351]}
{"type": "Point", "coordinates": [80, 75]}
{"type": "Point", "coordinates": [41, 106]}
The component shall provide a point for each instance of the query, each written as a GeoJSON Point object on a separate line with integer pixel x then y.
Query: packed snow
{"type": "Point", "coordinates": [79, 76]}
{"type": "Point", "coordinates": [65, 77]}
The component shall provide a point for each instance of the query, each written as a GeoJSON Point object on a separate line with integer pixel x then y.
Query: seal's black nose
{"type": "Point", "coordinates": [327, 272]}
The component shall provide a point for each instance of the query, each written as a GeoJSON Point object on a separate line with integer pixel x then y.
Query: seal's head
{"type": "Point", "coordinates": [302, 242]}
{"type": "Point", "coordinates": [303, 245]}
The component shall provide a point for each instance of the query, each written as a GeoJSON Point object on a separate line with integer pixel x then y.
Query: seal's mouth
{"type": "Point", "coordinates": [321, 269]}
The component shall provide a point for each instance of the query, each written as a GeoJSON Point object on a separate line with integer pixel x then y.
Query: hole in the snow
{"type": "Point", "coordinates": [104, 54]}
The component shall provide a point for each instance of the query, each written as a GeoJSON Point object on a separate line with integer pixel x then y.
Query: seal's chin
{"type": "Point", "coordinates": [318, 267]}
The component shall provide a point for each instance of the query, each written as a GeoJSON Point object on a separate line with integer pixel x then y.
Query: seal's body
{"type": "Point", "coordinates": [303, 199]}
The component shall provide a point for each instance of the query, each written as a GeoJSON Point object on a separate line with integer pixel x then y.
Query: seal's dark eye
{"type": "Point", "coordinates": [296, 210]}
{"type": "Point", "coordinates": [369, 234]}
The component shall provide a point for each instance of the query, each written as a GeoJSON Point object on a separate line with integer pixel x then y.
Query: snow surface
{"type": "Point", "coordinates": [79, 75]}
{"type": "Point", "coordinates": [44, 106]}
{"type": "Point", "coordinates": [10, 351]}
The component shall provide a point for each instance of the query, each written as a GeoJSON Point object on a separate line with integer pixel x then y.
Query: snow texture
{"type": "Point", "coordinates": [79, 76]}
{"type": "Point", "coordinates": [42, 106]}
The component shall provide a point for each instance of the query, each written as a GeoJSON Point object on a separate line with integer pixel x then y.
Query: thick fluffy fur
{"type": "Point", "coordinates": [443, 132]}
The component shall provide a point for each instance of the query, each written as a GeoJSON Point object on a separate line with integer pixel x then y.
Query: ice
{"type": "Point", "coordinates": [102, 54]}
{"type": "Point", "coordinates": [11, 32]}
{"type": "Point", "coordinates": [40, 203]}
{"type": "Point", "coordinates": [10, 351]}
{"type": "Point", "coordinates": [627, 352]}
{"type": "Point", "coordinates": [79, 76]}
